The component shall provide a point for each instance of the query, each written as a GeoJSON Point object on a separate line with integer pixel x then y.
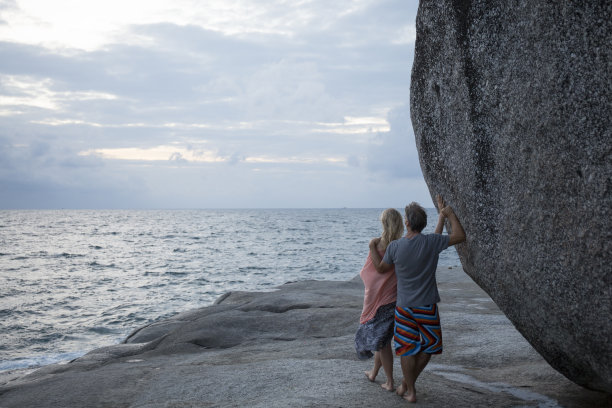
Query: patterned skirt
{"type": "Point", "coordinates": [376, 333]}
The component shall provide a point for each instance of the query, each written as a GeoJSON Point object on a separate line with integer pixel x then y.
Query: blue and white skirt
{"type": "Point", "coordinates": [376, 333]}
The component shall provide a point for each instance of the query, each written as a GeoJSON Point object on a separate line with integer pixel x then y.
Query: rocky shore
{"type": "Point", "coordinates": [293, 347]}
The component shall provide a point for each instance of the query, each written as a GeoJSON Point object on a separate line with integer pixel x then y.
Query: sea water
{"type": "Point", "coordinates": [74, 280]}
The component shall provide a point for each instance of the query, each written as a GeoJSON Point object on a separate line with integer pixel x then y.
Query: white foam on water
{"type": "Point", "coordinates": [34, 362]}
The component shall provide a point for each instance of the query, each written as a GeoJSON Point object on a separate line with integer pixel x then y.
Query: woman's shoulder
{"type": "Point", "coordinates": [392, 244]}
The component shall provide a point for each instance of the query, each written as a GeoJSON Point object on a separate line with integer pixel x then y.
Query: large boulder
{"type": "Point", "coordinates": [510, 103]}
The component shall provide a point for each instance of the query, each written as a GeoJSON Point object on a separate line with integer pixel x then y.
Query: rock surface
{"type": "Point", "coordinates": [294, 348]}
{"type": "Point", "coordinates": [510, 103]}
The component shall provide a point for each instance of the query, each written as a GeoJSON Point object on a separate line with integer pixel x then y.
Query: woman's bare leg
{"type": "Point", "coordinates": [386, 358]}
{"type": "Point", "coordinates": [377, 363]}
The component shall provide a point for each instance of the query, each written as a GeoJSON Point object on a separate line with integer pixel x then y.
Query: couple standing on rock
{"type": "Point", "coordinates": [401, 294]}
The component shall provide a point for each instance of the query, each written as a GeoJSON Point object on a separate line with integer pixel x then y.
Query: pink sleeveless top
{"type": "Point", "coordinates": [380, 289]}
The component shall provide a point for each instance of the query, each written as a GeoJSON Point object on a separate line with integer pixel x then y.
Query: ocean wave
{"type": "Point", "coordinates": [176, 273]}
{"type": "Point", "coordinates": [68, 255]}
{"type": "Point", "coordinates": [95, 264]}
{"type": "Point", "coordinates": [100, 330]}
{"type": "Point", "coordinates": [253, 268]}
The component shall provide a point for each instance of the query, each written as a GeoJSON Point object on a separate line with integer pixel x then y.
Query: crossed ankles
{"type": "Point", "coordinates": [405, 393]}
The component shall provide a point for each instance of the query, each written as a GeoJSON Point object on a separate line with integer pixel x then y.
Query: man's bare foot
{"type": "Point", "coordinates": [410, 396]}
{"type": "Point", "coordinates": [387, 386]}
{"type": "Point", "coordinates": [401, 390]}
{"type": "Point", "coordinates": [405, 393]}
{"type": "Point", "coordinates": [370, 375]}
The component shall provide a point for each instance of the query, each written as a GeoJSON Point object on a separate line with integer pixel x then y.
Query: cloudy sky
{"type": "Point", "coordinates": [207, 104]}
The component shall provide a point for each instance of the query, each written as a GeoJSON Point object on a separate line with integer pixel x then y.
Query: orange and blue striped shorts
{"type": "Point", "coordinates": [417, 329]}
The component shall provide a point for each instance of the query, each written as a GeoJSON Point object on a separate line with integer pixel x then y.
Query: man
{"type": "Point", "coordinates": [417, 333]}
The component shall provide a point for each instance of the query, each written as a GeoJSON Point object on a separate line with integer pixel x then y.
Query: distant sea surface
{"type": "Point", "coordinates": [75, 280]}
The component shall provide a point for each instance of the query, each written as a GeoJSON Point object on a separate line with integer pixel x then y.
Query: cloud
{"type": "Point", "coordinates": [93, 25]}
{"type": "Point", "coordinates": [42, 171]}
{"type": "Point", "coordinates": [393, 153]}
{"type": "Point", "coordinates": [216, 94]}
{"type": "Point", "coordinates": [157, 153]}
{"type": "Point", "coordinates": [6, 5]}
{"type": "Point", "coordinates": [289, 90]}
{"type": "Point", "coordinates": [19, 91]}
{"type": "Point", "coordinates": [191, 155]}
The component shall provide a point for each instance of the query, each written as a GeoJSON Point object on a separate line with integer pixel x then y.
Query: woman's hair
{"type": "Point", "coordinates": [416, 217]}
{"type": "Point", "coordinates": [393, 227]}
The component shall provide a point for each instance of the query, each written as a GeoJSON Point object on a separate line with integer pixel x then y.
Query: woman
{"type": "Point", "coordinates": [377, 318]}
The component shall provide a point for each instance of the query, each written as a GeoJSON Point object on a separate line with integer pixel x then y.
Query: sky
{"type": "Point", "coordinates": [207, 104]}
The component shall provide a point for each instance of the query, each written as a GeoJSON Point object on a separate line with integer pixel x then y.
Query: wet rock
{"type": "Point", "coordinates": [510, 103]}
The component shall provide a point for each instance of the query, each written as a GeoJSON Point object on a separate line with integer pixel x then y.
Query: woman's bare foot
{"type": "Point", "coordinates": [370, 375]}
{"type": "Point", "coordinates": [388, 385]}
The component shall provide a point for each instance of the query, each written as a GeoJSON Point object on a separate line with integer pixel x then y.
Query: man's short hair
{"type": "Point", "coordinates": [416, 217]}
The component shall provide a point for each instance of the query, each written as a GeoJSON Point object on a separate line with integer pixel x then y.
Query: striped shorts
{"type": "Point", "coordinates": [417, 329]}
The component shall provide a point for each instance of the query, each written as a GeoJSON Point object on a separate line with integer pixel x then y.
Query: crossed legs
{"type": "Point", "coordinates": [412, 366]}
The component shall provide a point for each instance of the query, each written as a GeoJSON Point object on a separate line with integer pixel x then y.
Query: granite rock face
{"type": "Point", "coordinates": [510, 103]}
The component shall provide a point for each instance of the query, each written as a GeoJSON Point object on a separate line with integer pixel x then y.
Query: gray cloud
{"type": "Point", "coordinates": [394, 153]}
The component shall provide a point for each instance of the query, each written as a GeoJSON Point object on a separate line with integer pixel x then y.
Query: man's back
{"type": "Point", "coordinates": [416, 260]}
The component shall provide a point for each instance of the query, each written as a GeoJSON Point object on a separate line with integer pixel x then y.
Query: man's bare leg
{"type": "Point", "coordinates": [386, 358]}
{"type": "Point", "coordinates": [422, 361]}
{"type": "Point", "coordinates": [377, 363]}
{"type": "Point", "coordinates": [407, 390]}
{"type": "Point", "coordinates": [412, 366]}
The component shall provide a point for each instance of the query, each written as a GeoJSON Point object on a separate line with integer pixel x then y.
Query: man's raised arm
{"type": "Point", "coordinates": [457, 234]}
{"type": "Point", "coordinates": [441, 216]}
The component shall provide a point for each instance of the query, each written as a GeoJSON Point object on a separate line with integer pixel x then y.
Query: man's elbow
{"type": "Point", "coordinates": [455, 239]}
{"type": "Point", "coordinates": [461, 239]}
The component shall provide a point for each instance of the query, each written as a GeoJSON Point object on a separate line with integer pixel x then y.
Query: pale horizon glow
{"type": "Point", "coordinates": [181, 153]}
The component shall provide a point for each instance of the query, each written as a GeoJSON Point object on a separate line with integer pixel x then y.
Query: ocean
{"type": "Point", "coordinates": [75, 280]}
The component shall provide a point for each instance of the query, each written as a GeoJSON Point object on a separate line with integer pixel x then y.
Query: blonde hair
{"type": "Point", "coordinates": [393, 226]}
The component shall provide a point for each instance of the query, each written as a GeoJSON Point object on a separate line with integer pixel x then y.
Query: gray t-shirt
{"type": "Point", "coordinates": [415, 261]}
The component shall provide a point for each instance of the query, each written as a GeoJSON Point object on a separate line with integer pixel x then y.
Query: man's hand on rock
{"type": "Point", "coordinates": [441, 203]}
{"type": "Point", "coordinates": [447, 211]}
